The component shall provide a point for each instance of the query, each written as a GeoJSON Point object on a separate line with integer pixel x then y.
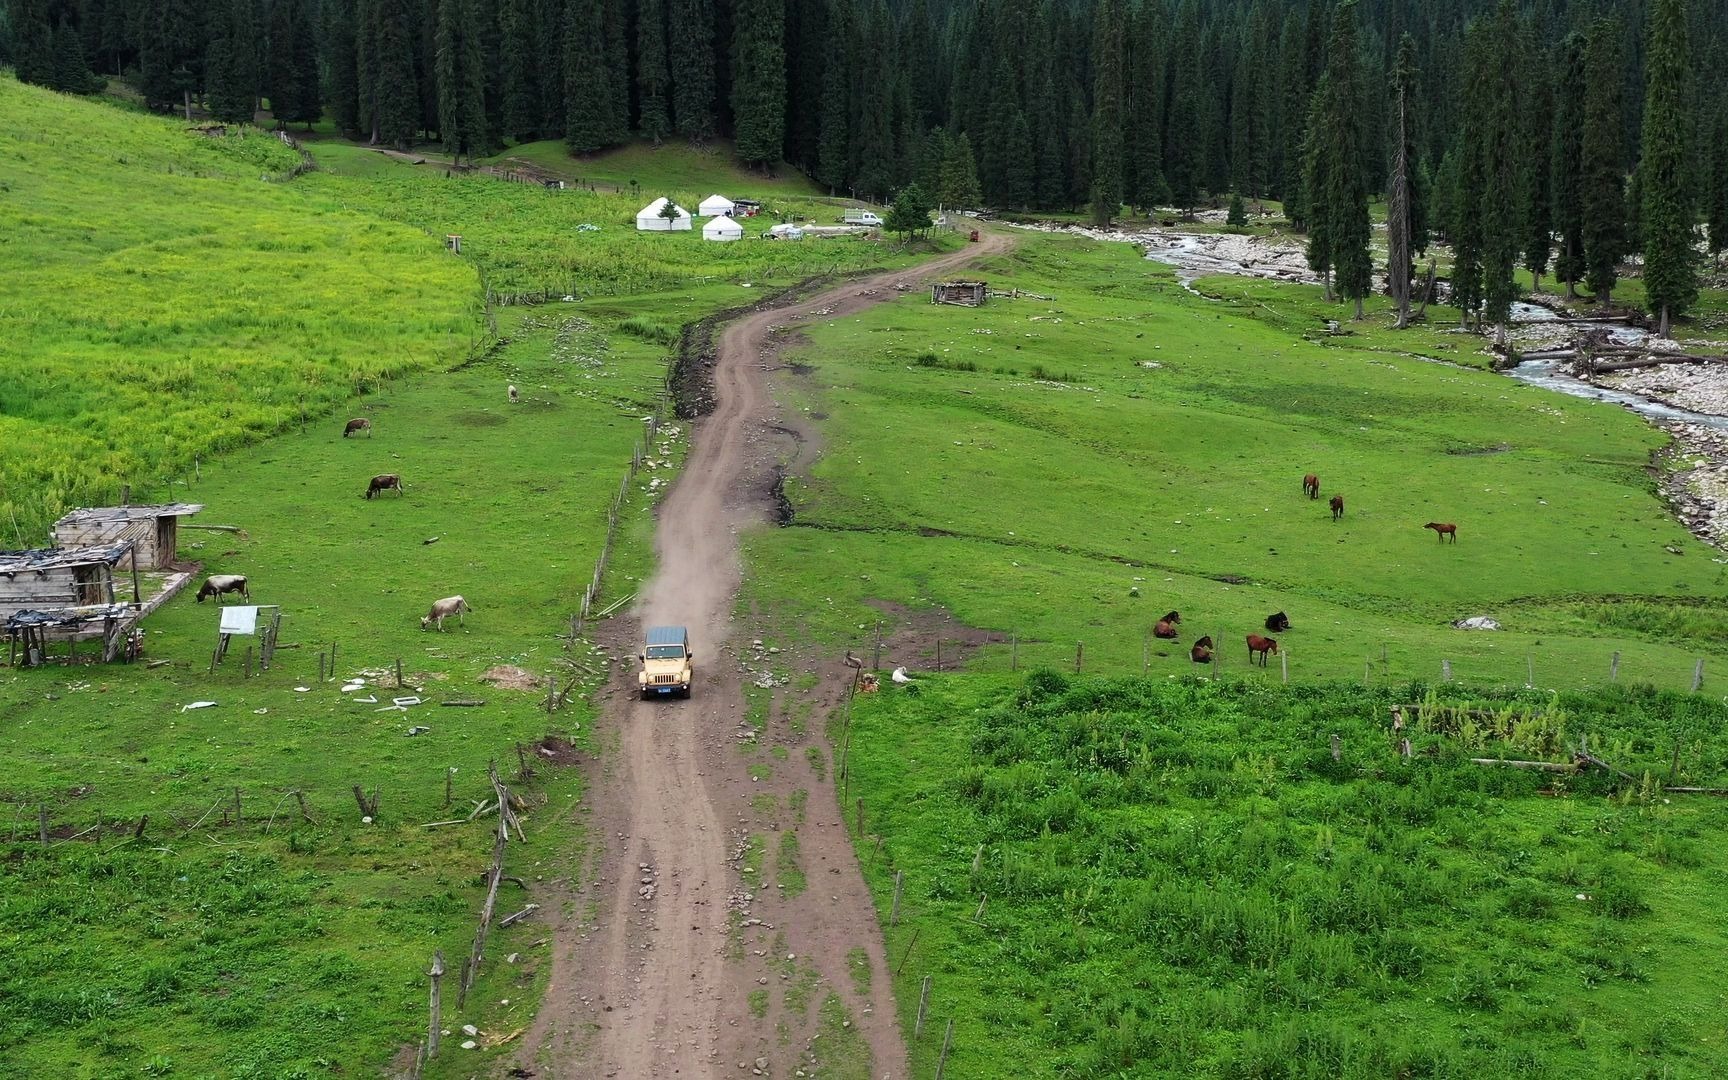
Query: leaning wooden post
{"type": "Point", "coordinates": [434, 1024]}
{"type": "Point", "coordinates": [449, 774]}
{"type": "Point", "coordinates": [942, 1058]}
{"type": "Point", "coordinates": [923, 1005]}
{"type": "Point", "coordinates": [1698, 675]}
{"type": "Point", "coordinates": [894, 911]}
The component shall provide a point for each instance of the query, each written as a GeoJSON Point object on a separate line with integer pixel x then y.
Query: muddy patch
{"type": "Point", "coordinates": [556, 750]}
{"type": "Point", "coordinates": [924, 639]}
{"type": "Point", "coordinates": [1479, 451]}
{"type": "Point", "coordinates": [508, 677]}
{"type": "Point", "coordinates": [777, 495]}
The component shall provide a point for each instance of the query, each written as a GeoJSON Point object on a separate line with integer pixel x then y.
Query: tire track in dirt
{"type": "Point", "coordinates": [648, 982]}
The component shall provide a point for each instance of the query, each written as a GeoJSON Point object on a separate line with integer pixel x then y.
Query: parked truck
{"type": "Point", "coordinates": [862, 217]}
{"type": "Point", "coordinates": [665, 658]}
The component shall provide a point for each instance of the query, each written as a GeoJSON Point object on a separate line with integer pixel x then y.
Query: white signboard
{"type": "Point", "coordinates": [239, 620]}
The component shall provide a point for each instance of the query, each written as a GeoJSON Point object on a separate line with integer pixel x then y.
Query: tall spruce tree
{"type": "Point", "coordinates": [591, 114]}
{"type": "Point", "coordinates": [1146, 186]}
{"type": "Point", "coordinates": [691, 50]}
{"type": "Point", "coordinates": [461, 79]}
{"type": "Point", "coordinates": [1338, 190]}
{"type": "Point", "coordinates": [1184, 147]}
{"type": "Point", "coordinates": [959, 187]}
{"type": "Point", "coordinates": [1716, 178]}
{"type": "Point", "coordinates": [1404, 167]}
{"type": "Point", "coordinates": [1670, 264]}
{"type": "Point", "coordinates": [653, 80]}
{"type": "Point", "coordinates": [759, 80]}
{"type": "Point", "coordinates": [230, 83]}
{"type": "Point", "coordinates": [1566, 162]}
{"type": "Point", "coordinates": [520, 112]}
{"type": "Point", "coordinates": [1049, 167]}
{"type": "Point", "coordinates": [1536, 181]}
{"type": "Point", "coordinates": [1497, 127]}
{"type": "Point", "coordinates": [396, 104]}
{"type": "Point", "coordinates": [1108, 62]}
{"type": "Point", "coordinates": [1603, 178]}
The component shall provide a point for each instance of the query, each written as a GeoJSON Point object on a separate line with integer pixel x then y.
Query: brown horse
{"type": "Point", "coordinates": [359, 423]}
{"type": "Point", "coordinates": [1311, 486]}
{"type": "Point", "coordinates": [1201, 653]}
{"type": "Point", "coordinates": [1166, 627]}
{"type": "Point", "coordinates": [1337, 507]}
{"type": "Point", "coordinates": [1443, 529]}
{"type": "Point", "coordinates": [1261, 645]}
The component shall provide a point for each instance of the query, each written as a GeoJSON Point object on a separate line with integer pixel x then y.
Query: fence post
{"type": "Point", "coordinates": [1446, 671]}
{"type": "Point", "coordinates": [876, 664]}
{"type": "Point", "coordinates": [942, 1058]}
{"type": "Point", "coordinates": [434, 1021]}
{"type": "Point", "coordinates": [1530, 669]}
{"type": "Point", "coordinates": [1698, 675]}
{"type": "Point", "coordinates": [894, 911]}
{"type": "Point", "coordinates": [1284, 665]}
{"type": "Point", "coordinates": [1079, 653]}
{"type": "Point", "coordinates": [1014, 657]}
{"type": "Point", "coordinates": [42, 823]}
{"type": "Point", "coordinates": [923, 1004]}
{"type": "Point", "coordinates": [1614, 666]}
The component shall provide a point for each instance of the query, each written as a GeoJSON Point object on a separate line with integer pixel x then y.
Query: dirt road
{"type": "Point", "coordinates": [663, 942]}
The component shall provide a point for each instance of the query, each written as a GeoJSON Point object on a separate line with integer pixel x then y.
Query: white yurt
{"type": "Point", "coordinates": [649, 219]}
{"type": "Point", "coordinates": [716, 205]}
{"type": "Point", "coordinates": [722, 228]}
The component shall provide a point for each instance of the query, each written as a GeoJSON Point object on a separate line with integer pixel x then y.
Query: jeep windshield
{"type": "Point", "coordinates": [665, 652]}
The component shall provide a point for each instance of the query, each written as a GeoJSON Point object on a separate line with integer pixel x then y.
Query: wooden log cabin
{"type": "Point", "coordinates": [154, 531]}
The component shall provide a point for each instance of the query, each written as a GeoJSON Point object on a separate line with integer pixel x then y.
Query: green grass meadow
{"type": "Point", "coordinates": [164, 303]}
{"type": "Point", "coordinates": [1140, 877]}
{"type": "Point", "coordinates": [711, 168]}
{"type": "Point", "coordinates": [1148, 447]}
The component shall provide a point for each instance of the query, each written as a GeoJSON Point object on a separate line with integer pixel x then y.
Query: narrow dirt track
{"type": "Point", "coordinates": [654, 982]}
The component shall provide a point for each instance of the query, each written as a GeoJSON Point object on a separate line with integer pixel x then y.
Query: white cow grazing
{"type": "Point", "coordinates": [514, 397]}
{"type": "Point", "coordinates": [443, 609]}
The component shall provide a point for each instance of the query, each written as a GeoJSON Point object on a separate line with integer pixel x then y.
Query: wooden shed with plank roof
{"type": "Point", "coordinates": [153, 530]}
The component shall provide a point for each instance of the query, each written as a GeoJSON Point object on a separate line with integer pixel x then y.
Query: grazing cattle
{"type": "Point", "coordinates": [384, 483]}
{"type": "Point", "coordinates": [1337, 507]}
{"type": "Point", "coordinates": [1278, 622]}
{"type": "Point", "coordinates": [1201, 653]}
{"type": "Point", "coordinates": [217, 584]}
{"type": "Point", "coordinates": [443, 609]}
{"type": "Point", "coordinates": [514, 397]}
{"type": "Point", "coordinates": [359, 423]}
{"type": "Point", "coordinates": [1311, 486]}
{"type": "Point", "coordinates": [1443, 529]}
{"type": "Point", "coordinates": [1166, 627]}
{"type": "Point", "coordinates": [1261, 645]}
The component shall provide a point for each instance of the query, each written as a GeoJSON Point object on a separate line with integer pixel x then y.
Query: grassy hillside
{"type": "Point", "coordinates": [677, 164]}
{"type": "Point", "coordinates": [281, 947]}
{"type": "Point", "coordinates": [1145, 878]}
{"type": "Point", "coordinates": [1069, 469]}
{"type": "Point", "coordinates": [163, 302]}
{"type": "Point", "coordinates": [528, 240]}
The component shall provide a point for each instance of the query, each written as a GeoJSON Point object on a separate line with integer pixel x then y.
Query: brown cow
{"type": "Point", "coordinates": [1261, 645]}
{"type": "Point", "coordinates": [359, 423]}
{"type": "Point", "coordinates": [1311, 486]}
{"type": "Point", "coordinates": [1201, 653]}
{"type": "Point", "coordinates": [384, 482]}
{"type": "Point", "coordinates": [1443, 529]}
{"type": "Point", "coordinates": [1337, 507]}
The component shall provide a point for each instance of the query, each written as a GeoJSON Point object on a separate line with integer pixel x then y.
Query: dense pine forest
{"type": "Point", "coordinates": [1534, 135]}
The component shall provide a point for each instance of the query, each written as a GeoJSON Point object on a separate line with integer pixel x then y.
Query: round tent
{"type": "Point", "coordinates": [722, 228]}
{"type": "Point", "coordinates": [715, 205]}
{"type": "Point", "coordinates": [651, 218]}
